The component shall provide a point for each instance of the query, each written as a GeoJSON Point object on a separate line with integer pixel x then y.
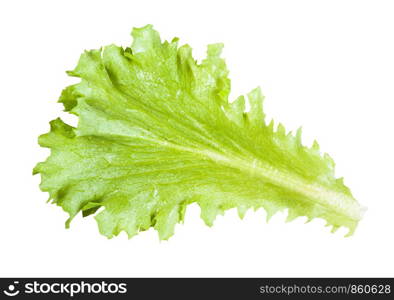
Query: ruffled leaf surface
{"type": "Point", "coordinates": [157, 132]}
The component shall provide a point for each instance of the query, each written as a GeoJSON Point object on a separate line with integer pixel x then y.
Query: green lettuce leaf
{"type": "Point", "coordinates": [157, 132]}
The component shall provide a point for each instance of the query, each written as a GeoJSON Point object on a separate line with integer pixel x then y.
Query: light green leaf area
{"type": "Point", "coordinates": [157, 132]}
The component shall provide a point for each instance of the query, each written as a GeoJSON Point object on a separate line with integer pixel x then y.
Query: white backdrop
{"type": "Point", "coordinates": [325, 65]}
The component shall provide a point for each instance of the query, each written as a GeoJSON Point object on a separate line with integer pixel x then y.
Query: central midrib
{"type": "Point", "coordinates": [336, 201]}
